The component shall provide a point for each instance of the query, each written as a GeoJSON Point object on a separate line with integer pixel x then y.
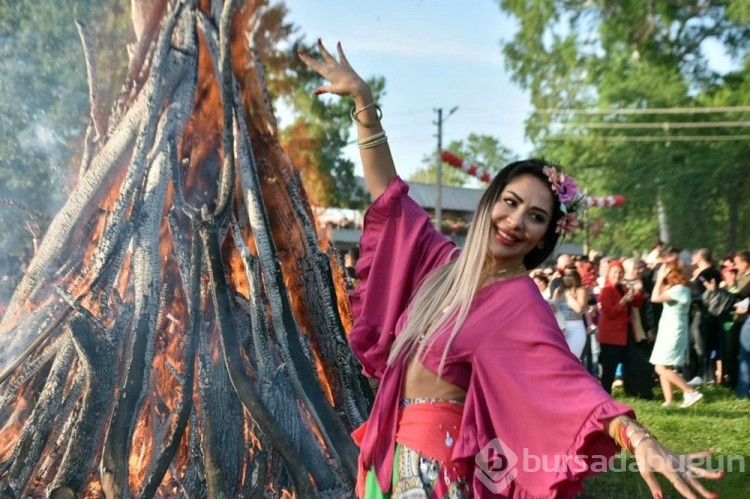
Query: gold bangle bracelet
{"type": "Point", "coordinates": [368, 124]}
{"type": "Point", "coordinates": [371, 138]}
{"type": "Point", "coordinates": [374, 143]}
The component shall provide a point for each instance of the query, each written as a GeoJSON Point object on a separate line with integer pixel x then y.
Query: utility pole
{"type": "Point", "coordinates": [439, 182]}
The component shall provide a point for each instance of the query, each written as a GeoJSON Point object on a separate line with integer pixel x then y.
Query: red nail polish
{"type": "Point", "coordinates": [657, 495]}
{"type": "Point", "coordinates": [714, 496]}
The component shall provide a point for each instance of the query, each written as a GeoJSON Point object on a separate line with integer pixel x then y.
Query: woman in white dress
{"type": "Point", "coordinates": [571, 299]}
{"type": "Point", "coordinates": [670, 349]}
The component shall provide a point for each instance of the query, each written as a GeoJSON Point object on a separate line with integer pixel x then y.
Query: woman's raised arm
{"type": "Point", "coordinates": [377, 161]}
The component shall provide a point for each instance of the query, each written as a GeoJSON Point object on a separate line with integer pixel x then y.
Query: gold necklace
{"type": "Point", "coordinates": [520, 268]}
{"type": "Point", "coordinates": [506, 273]}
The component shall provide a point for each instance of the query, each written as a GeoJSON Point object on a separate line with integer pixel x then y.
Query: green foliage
{"type": "Point", "coordinates": [586, 62]}
{"type": "Point", "coordinates": [44, 106]}
{"type": "Point", "coordinates": [320, 129]}
{"type": "Point", "coordinates": [483, 150]}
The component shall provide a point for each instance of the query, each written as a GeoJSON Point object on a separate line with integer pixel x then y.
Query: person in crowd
{"type": "Point", "coordinates": [719, 300]}
{"type": "Point", "coordinates": [654, 256]}
{"type": "Point", "coordinates": [571, 299]}
{"type": "Point", "coordinates": [563, 260]}
{"type": "Point", "coordinates": [621, 351]}
{"type": "Point", "coordinates": [586, 270]}
{"type": "Point", "coordinates": [670, 350]}
{"type": "Point", "coordinates": [542, 283]}
{"type": "Point", "coordinates": [639, 381]}
{"type": "Point", "coordinates": [708, 346]}
{"type": "Point", "coordinates": [742, 262]}
{"type": "Point", "coordinates": [669, 256]}
{"type": "Point", "coordinates": [465, 347]}
{"type": "Point", "coordinates": [602, 270]}
{"type": "Point", "coordinates": [350, 261]}
{"type": "Point", "coordinates": [614, 334]}
{"type": "Point", "coordinates": [727, 261]}
{"type": "Point", "coordinates": [739, 336]}
{"type": "Point", "coordinates": [590, 354]}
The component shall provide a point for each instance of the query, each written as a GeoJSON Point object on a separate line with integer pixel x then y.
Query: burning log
{"type": "Point", "coordinates": [181, 330]}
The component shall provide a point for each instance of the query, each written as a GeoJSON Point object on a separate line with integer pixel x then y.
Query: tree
{"type": "Point", "coordinates": [616, 56]}
{"type": "Point", "coordinates": [44, 109]}
{"type": "Point", "coordinates": [319, 130]}
{"type": "Point", "coordinates": [483, 150]}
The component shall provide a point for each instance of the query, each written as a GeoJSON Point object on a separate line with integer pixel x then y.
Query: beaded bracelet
{"type": "Point", "coordinates": [624, 431]}
{"type": "Point", "coordinates": [621, 425]}
{"type": "Point", "coordinates": [369, 124]}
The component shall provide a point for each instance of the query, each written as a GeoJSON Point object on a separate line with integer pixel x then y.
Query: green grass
{"type": "Point", "coordinates": [719, 421]}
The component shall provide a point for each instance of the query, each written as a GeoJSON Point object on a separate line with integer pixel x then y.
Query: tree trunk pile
{"type": "Point", "coordinates": [181, 330]}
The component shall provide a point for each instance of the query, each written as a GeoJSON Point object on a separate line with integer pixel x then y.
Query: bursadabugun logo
{"type": "Point", "coordinates": [496, 466]}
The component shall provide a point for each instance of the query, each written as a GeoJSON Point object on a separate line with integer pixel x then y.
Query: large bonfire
{"type": "Point", "coordinates": [179, 331]}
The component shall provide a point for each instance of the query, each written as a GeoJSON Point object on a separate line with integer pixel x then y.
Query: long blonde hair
{"type": "Point", "coordinates": [446, 294]}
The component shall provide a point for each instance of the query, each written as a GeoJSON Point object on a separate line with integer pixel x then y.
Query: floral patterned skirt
{"type": "Point", "coordinates": [420, 476]}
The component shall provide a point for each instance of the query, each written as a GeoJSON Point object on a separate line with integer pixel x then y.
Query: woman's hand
{"type": "Point", "coordinates": [682, 470]}
{"type": "Point", "coordinates": [343, 79]}
{"type": "Point", "coordinates": [377, 162]}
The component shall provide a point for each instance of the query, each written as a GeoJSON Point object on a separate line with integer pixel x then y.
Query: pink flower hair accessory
{"type": "Point", "coordinates": [566, 190]}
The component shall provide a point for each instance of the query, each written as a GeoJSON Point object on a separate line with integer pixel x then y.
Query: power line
{"type": "Point", "coordinates": [649, 138]}
{"type": "Point", "coordinates": [665, 125]}
{"type": "Point", "coordinates": [655, 110]}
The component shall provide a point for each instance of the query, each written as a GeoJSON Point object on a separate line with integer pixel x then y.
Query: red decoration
{"type": "Point", "coordinates": [613, 200]}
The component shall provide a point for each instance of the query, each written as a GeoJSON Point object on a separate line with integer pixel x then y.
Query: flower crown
{"type": "Point", "coordinates": [566, 190]}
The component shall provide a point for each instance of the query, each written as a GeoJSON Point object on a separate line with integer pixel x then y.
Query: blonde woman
{"type": "Point", "coordinates": [472, 365]}
{"type": "Point", "coordinates": [571, 299]}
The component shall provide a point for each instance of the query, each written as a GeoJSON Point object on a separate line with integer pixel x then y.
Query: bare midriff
{"type": "Point", "coordinates": [420, 382]}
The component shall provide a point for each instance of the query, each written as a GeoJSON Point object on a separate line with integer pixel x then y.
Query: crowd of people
{"type": "Point", "coordinates": [668, 317]}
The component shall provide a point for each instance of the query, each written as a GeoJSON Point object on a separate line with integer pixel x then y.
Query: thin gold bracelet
{"type": "Point", "coordinates": [374, 143]}
{"type": "Point", "coordinates": [372, 138]}
{"type": "Point", "coordinates": [646, 436]}
{"type": "Point", "coordinates": [369, 124]}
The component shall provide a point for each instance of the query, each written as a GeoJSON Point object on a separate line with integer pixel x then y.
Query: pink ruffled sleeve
{"type": "Point", "coordinates": [531, 401]}
{"type": "Point", "coordinates": [398, 248]}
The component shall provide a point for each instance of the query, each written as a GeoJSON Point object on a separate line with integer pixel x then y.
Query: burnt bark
{"type": "Point", "coordinates": [169, 338]}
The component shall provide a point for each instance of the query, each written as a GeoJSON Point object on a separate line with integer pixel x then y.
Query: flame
{"type": "Point", "coordinates": [201, 154]}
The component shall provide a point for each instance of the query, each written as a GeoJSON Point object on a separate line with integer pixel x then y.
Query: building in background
{"type": "Point", "coordinates": [344, 226]}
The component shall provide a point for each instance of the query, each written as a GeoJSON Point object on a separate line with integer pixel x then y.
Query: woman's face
{"type": "Point", "coordinates": [730, 278]}
{"type": "Point", "coordinates": [569, 279]}
{"type": "Point", "coordinates": [741, 265]}
{"type": "Point", "coordinates": [615, 274]}
{"type": "Point", "coordinates": [540, 283]}
{"type": "Point", "coordinates": [520, 218]}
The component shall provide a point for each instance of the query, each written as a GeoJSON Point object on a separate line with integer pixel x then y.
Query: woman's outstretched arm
{"type": "Point", "coordinates": [377, 161]}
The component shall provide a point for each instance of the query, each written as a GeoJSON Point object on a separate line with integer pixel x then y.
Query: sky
{"type": "Point", "coordinates": [438, 54]}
